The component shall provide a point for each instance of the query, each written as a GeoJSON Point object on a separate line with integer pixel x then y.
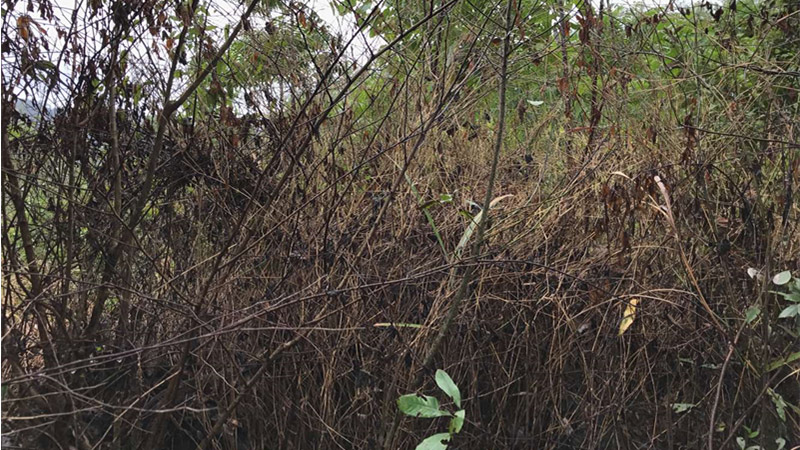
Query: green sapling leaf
{"type": "Point", "coordinates": [449, 387]}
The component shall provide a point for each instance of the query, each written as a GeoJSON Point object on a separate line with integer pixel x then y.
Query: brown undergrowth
{"type": "Point", "coordinates": [262, 298]}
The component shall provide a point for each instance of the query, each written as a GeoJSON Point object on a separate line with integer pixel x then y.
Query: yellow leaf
{"type": "Point", "coordinates": [628, 316]}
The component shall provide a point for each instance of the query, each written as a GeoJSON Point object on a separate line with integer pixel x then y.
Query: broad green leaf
{"type": "Point", "coordinates": [781, 443]}
{"type": "Point", "coordinates": [445, 198]}
{"type": "Point", "coordinates": [420, 406]}
{"type": "Point", "coordinates": [449, 387]}
{"type": "Point", "coordinates": [782, 278]}
{"type": "Point", "coordinates": [434, 442]}
{"type": "Point", "coordinates": [790, 311]}
{"type": "Point", "coordinates": [682, 407]}
{"type": "Point", "coordinates": [752, 313]}
{"type": "Point", "coordinates": [741, 442]}
{"type": "Point", "coordinates": [457, 422]}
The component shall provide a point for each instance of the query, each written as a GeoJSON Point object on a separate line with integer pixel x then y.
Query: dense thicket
{"type": "Point", "coordinates": [236, 226]}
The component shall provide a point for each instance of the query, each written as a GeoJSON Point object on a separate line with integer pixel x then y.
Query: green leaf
{"type": "Point", "coordinates": [779, 402]}
{"type": "Point", "coordinates": [793, 297]}
{"type": "Point", "coordinates": [783, 361]}
{"type": "Point", "coordinates": [457, 422]}
{"type": "Point", "coordinates": [782, 278]}
{"type": "Point", "coordinates": [45, 65]}
{"type": "Point", "coordinates": [445, 198]}
{"type": "Point", "coordinates": [420, 406]}
{"type": "Point", "coordinates": [751, 434]}
{"type": "Point", "coordinates": [790, 311]}
{"type": "Point", "coordinates": [449, 387]}
{"type": "Point", "coordinates": [682, 407]}
{"type": "Point", "coordinates": [781, 443]}
{"type": "Point", "coordinates": [434, 442]}
{"type": "Point", "coordinates": [428, 204]}
{"type": "Point", "coordinates": [752, 313]}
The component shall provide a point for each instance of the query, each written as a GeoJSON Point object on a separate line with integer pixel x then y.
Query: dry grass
{"type": "Point", "coordinates": [287, 328]}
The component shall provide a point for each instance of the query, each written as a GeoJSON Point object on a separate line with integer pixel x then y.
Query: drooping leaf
{"type": "Point", "coordinates": [779, 402]}
{"type": "Point", "coordinates": [435, 442]}
{"type": "Point", "coordinates": [783, 361]}
{"type": "Point", "coordinates": [473, 225]}
{"type": "Point", "coordinates": [628, 316]}
{"type": "Point", "coordinates": [420, 406]}
{"type": "Point", "coordinates": [449, 387]}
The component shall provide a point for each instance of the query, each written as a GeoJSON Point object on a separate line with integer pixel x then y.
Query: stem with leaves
{"type": "Point", "coordinates": [463, 289]}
